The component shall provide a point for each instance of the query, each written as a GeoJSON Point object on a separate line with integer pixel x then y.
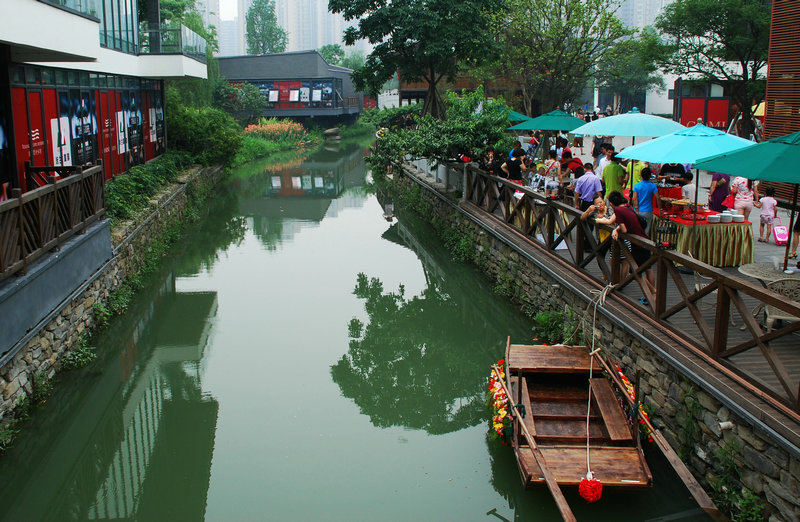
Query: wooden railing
{"type": "Point", "coordinates": [40, 220]}
{"type": "Point", "coordinates": [700, 314]}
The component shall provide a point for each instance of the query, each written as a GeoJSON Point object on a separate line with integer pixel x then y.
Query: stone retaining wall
{"type": "Point", "coordinates": [74, 318]}
{"type": "Point", "coordinates": [696, 424]}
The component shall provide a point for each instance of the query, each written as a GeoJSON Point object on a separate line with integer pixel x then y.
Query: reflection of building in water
{"type": "Point", "coordinates": [285, 199]}
{"type": "Point", "coordinates": [114, 450]}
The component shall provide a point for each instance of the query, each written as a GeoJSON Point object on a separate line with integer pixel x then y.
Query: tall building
{"type": "Point", "coordinates": [230, 43]}
{"type": "Point", "coordinates": [637, 14]}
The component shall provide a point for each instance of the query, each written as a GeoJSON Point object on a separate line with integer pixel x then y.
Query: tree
{"type": "Point", "coordinates": [241, 100]}
{"type": "Point", "coordinates": [630, 69]}
{"type": "Point", "coordinates": [551, 47]}
{"type": "Point", "coordinates": [421, 40]}
{"type": "Point", "coordinates": [353, 60]}
{"type": "Point", "coordinates": [333, 53]}
{"type": "Point", "coordinates": [723, 41]}
{"type": "Point", "coordinates": [264, 36]}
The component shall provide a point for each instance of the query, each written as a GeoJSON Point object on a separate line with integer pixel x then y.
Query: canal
{"type": "Point", "coordinates": [298, 357]}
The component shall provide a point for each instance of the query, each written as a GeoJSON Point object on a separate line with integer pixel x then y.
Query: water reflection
{"type": "Point", "coordinates": [421, 362]}
{"type": "Point", "coordinates": [98, 452]}
{"type": "Point", "coordinates": [281, 198]}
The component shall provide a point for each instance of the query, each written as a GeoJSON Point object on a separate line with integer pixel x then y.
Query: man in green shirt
{"type": "Point", "coordinates": [613, 176]}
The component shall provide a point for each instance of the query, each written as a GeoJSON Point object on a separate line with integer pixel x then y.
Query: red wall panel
{"type": "Point", "coordinates": [19, 103]}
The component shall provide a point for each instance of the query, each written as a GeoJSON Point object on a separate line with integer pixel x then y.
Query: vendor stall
{"type": "Point", "coordinates": [717, 244]}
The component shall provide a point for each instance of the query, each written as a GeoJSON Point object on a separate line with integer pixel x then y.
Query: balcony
{"type": "Point", "coordinates": [83, 7]}
{"type": "Point", "coordinates": [171, 39]}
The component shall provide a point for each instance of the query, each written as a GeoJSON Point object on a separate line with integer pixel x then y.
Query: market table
{"type": "Point", "coordinates": [766, 273]}
{"type": "Point", "coordinates": [717, 244]}
{"type": "Point", "coordinates": [671, 192]}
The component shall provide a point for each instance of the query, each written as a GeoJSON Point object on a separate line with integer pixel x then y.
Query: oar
{"type": "Point", "coordinates": [697, 491]}
{"type": "Point", "coordinates": [552, 484]}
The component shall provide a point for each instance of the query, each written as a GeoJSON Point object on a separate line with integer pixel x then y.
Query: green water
{"type": "Point", "coordinates": [297, 358]}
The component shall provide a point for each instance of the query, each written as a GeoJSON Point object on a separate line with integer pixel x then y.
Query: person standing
{"type": "Point", "coordinates": [514, 167]}
{"type": "Point", "coordinates": [643, 193]}
{"type": "Point", "coordinates": [744, 196]}
{"type": "Point", "coordinates": [613, 175]}
{"type": "Point", "coordinates": [769, 211]}
{"type": "Point", "coordinates": [720, 183]}
{"type": "Point", "coordinates": [587, 188]}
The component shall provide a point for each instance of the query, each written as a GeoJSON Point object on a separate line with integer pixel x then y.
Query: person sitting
{"type": "Point", "coordinates": [628, 222]}
{"type": "Point", "coordinates": [490, 162]}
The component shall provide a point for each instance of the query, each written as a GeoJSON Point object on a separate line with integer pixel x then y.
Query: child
{"type": "Point", "coordinates": [688, 190]}
{"type": "Point", "coordinates": [535, 180]}
{"type": "Point", "coordinates": [769, 211]}
{"type": "Point", "coordinates": [552, 174]}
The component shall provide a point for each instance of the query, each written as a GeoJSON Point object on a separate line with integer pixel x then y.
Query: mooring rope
{"type": "Point", "coordinates": [599, 299]}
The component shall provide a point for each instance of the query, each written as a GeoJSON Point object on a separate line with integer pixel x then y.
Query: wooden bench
{"type": "Point", "coordinates": [610, 410]}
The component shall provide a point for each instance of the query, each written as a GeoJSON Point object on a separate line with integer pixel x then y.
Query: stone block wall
{"type": "Point", "coordinates": [711, 439]}
{"type": "Point", "coordinates": [39, 358]}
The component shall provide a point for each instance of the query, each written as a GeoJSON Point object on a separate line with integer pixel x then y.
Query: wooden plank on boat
{"type": "Point", "coordinates": [548, 359]}
{"type": "Point", "coordinates": [610, 410]}
{"type": "Point", "coordinates": [611, 465]}
{"type": "Point", "coordinates": [526, 402]}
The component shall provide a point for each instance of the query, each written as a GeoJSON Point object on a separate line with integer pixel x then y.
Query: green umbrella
{"type": "Point", "coordinates": [773, 160]}
{"type": "Point", "coordinates": [517, 116]}
{"type": "Point", "coordinates": [554, 120]}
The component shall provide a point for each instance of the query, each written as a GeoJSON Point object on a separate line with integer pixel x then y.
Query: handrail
{"type": "Point", "coordinates": [551, 224]}
{"type": "Point", "coordinates": [171, 39]}
{"type": "Point", "coordinates": [42, 219]}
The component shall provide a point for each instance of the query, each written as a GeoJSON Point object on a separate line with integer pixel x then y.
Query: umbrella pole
{"type": "Point", "coordinates": [694, 221]}
{"type": "Point", "coordinates": [791, 228]}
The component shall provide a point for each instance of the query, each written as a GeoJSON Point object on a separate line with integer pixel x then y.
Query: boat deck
{"type": "Point", "coordinates": [553, 384]}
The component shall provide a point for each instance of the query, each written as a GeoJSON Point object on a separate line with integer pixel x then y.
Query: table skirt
{"type": "Point", "coordinates": [723, 244]}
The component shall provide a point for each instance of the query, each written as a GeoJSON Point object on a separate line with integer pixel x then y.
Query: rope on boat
{"type": "Point", "coordinates": [599, 299]}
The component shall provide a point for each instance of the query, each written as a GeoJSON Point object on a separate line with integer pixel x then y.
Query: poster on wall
{"type": "Point", "coordinates": [122, 137]}
{"type": "Point", "coordinates": [61, 142]}
{"type": "Point", "coordinates": [79, 108]}
{"type": "Point", "coordinates": [273, 96]}
{"type": "Point", "coordinates": [131, 105]}
{"type": "Point", "coordinates": [294, 95]}
{"type": "Point", "coordinates": [316, 95]}
{"type": "Point", "coordinates": [304, 94]}
{"type": "Point", "coordinates": [152, 124]}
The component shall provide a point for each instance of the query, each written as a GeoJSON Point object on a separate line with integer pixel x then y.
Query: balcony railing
{"type": "Point", "coordinates": [40, 220]}
{"type": "Point", "coordinates": [171, 39]}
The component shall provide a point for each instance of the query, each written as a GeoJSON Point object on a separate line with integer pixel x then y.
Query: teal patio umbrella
{"type": "Point", "coordinates": [688, 145]}
{"type": "Point", "coordinates": [773, 160]}
{"type": "Point", "coordinates": [553, 121]}
{"type": "Point", "coordinates": [517, 116]}
{"type": "Point", "coordinates": [633, 123]}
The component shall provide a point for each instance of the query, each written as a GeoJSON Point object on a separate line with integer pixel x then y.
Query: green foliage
{"type": "Point", "coordinates": [254, 148]}
{"type": "Point", "coordinates": [353, 60]}
{"type": "Point", "coordinates": [41, 388]}
{"type": "Point", "coordinates": [130, 192]}
{"type": "Point", "coordinates": [210, 135]}
{"type": "Point", "coordinates": [390, 116]}
{"type": "Point", "coordinates": [555, 327]}
{"type": "Point", "coordinates": [727, 492]}
{"type": "Point", "coordinates": [333, 53]}
{"type": "Point", "coordinates": [264, 35]}
{"type": "Point", "coordinates": [461, 246]}
{"type": "Point", "coordinates": [551, 48]}
{"type": "Point", "coordinates": [81, 355]}
{"type": "Point", "coordinates": [357, 129]}
{"type": "Point", "coordinates": [691, 429]}
{"type": "Point", "coordinates": [241, 100]}
{"type": "Point", "coordinates": [419, 39]}
{"type": "Point", "coordinates": [7, 435]}
{"type": "Point", "coordinates": [102, 315]}
{"type": "Point", "coordinates": [472, 123]}
{"type": "Point", "coordinates": [719, 41]}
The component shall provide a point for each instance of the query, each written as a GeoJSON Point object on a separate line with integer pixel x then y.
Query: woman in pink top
{"type": "Point", "coordinates": [744, 196]}
{"type": "Point", "coordinates": [769, 210]}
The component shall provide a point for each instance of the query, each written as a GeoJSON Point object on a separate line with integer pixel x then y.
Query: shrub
{"type": "Point", "coordinates": [210, 135]}
{"type": "Point", "coordinates": [276, 130]}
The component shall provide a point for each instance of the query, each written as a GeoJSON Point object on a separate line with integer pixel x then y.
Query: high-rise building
{"type": "Point", "coordinates": [230, 43]}
{"type": "Point", "coordinates": [637, 14]}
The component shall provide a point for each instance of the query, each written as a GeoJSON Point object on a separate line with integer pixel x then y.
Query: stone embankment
{"type": "Point", "coordinates": [724, 451]}
{"type": "Point", "coordinates": [40, 351]}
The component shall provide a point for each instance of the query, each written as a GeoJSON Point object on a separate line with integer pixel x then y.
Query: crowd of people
{"type": "Point", "coordinates": [625, 193]}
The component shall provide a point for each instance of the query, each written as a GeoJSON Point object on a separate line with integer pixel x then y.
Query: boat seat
{"type": "Point", "coordinates": [610, 410]}
{"type": "Point", "coordinates": [526, 402]}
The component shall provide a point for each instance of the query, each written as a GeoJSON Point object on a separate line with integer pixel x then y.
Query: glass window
{"type": "Point", "coordinates": [17, 74]}
{"type": "Point", "coordinates": [32, 75]}
{"type": "Point", "coordinates": [48, 78]}
{"type": "Point", "coordinates": [72, 77]}
{"type": "Point", "coordinates": [61, 77]}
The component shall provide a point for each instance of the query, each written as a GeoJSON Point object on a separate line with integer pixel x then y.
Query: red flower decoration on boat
{"type": "Point", "coordinates": [590, 489]}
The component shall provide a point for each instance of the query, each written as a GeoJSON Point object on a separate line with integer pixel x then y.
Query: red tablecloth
{"type": "Point", "coordinates": [670, 192]}
{"type": "Point", "coordinates": [687, 219]}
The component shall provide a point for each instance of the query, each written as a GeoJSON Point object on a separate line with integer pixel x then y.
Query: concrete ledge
{"type": "Point", "coordinates": [26, 300]}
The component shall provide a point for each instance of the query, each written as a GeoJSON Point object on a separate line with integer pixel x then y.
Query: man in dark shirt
{"type": "Point", "coordinates": [673, 173]}
{"type": "Point", "coordinates": [628, 223]}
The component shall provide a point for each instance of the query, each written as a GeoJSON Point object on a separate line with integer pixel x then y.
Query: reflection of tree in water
{"type": "Point", "coordinates": [222, 228]}
{"type": "Point", "coordinates": [416, 364]}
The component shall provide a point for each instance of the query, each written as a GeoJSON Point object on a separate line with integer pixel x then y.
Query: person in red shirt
{"type": "Point", "coordinates": [628, 222]}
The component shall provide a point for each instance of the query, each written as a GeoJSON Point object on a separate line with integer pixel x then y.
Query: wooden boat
{"type": "Point", "coordinates": [553, 384]}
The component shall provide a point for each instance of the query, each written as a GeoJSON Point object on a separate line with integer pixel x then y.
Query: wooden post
{"type": "Point", "coordinates": [615, 262]}
{"type": "Point", "coordinates": [661, 284]}
{"type": "Point", "coordinates": [720, 341]}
